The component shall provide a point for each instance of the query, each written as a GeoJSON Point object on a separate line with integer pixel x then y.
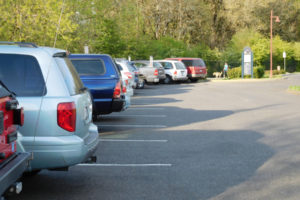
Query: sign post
{"type": "Point", "coordinates": [284, 57]}
{"type": "Point", "coordinates": [247, 62]}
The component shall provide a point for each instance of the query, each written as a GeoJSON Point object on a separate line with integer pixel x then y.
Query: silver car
{"type": "Point", "coordinates": [175, 70]}
{"type": "Point", "coordinates": [58, 109]}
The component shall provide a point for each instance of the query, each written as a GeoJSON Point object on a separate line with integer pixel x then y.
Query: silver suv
{"type": "Point", "coordinates": [58, 109]}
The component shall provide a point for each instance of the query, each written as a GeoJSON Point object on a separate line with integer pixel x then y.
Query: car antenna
{"type": "Point", "coordinates": [59, 20]}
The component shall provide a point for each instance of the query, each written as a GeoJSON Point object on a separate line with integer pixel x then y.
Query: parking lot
{"type": "Point", "coordinates": [207, 140]}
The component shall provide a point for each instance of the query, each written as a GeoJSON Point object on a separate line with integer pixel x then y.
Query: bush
{"type": "Point", "coordinates": [235, 72]}
{"type": "Point", "coordinates": [276, 72]}
{"type": "Point", "coordinates": [258, 72]}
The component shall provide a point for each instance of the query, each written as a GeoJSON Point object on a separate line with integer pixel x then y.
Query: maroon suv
{"type": "Point", "coordinates": [12, 164]}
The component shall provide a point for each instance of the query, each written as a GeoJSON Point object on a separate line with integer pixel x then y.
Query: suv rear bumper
{"type": "Point", "coordinates": [13, 170]}
{"type": "Point", "coordinates": [196, 75]}
{"type": "Point", "coordinates": [118, 104]}
{"type": "Point", "coordinates": [62, 151]}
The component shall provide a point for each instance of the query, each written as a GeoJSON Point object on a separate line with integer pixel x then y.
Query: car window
{"type": "Point", "coordinates": [179, 65]}
{"type": "Point", "coordinates": [22, 75]}
{"type": "Point", "coordinates": [167, 65]}
{"type": "Point", "coordinates": [70, 74]}
{"type": "Point", "coordinates": [140, 65]}
{"type": "Point", "coordinates": [89, 67]}
{"type": "Point", "coordinates": [197, 62]}
{"type": "Point", "coordinates": [157, 65]}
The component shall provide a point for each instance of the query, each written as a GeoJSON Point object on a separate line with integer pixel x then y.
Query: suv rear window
{"type": "Point", "coordinates": [179, 65]}
{"type": "Point", "coordinates": [22, 75]}
{"type": "Point", "coordinates": [89, 67]}
{"type": "Point", "coordinates": [194, 63]}
{"type": "Point", "coordinates": [71, 77]}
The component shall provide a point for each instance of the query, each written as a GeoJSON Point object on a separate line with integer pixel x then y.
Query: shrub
{"type": "Point", "coordinates": [276, 72]}
{"type": "Point", "coordinates": [235, 72]}
{"type": "Point", "coordinates": [258, 72]}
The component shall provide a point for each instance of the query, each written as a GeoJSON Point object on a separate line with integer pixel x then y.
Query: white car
{"type": "Point", "coordinates": [127, 76]}
{"type": "Point", "coordinates": [175, 70]}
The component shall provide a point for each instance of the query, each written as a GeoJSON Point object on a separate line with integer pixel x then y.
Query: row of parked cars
{"type": "Point", "coordinates": [50, 98]}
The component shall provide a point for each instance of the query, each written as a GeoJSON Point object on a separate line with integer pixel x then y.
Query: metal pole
{"type": "Point", "coordinates": [271, 37]}
{"type": "Point", "coordinates": [284, 65]}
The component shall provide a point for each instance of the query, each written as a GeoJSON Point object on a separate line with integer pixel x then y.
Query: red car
{"type": "Point", "coordinates": [196, 67]}
{"type": "Point", "coordinates": [12, 164]}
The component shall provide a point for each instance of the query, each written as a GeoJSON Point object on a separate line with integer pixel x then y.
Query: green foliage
{"type": "Point", "coordinates": [235, 73]}
{"type": "Point", "coordinates": [258, 72]}
{"type": "Point", "coordinates": [295, 88]}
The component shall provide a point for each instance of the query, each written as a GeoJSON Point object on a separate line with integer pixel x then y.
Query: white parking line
{"type": "Point", "coordinates": [131, 126]}
{"type": "Point", "coordinates": [125, 165]}
{"type": "Point", "coordinates": [113, 140]}
{"type": "Point", "coordinates": [144, 108]}
{"type": "Point", "coordinates": [155, 116]}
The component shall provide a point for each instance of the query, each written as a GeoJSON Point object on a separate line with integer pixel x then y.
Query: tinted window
{"type": "Point", "coordinates": [70, 74]}
{"type": "Point", "coordinates": [89, 67]}
{"type": "Point", "coordinates": [179, 65]}
{"type": "Point", "coordinates": [22, 75]}
{"type": "Point", "coordinates": [157, 65]}
{"type": "Point", "coordinates": [167, 65]}
{"type": "Point", "coordinates": [194, 63]}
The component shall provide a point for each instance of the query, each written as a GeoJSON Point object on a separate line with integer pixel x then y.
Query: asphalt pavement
{"type": "Point", "coordinates": [210, 140]}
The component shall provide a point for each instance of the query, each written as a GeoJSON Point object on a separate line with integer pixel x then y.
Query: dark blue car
{"type": "Point", "coordinates": [100, 75]}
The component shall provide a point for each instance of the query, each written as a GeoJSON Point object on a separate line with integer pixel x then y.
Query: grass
{"type": "Point", "coordinates": [295, 88]}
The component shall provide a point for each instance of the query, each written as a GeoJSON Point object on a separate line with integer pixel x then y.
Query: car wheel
{"type": "Point", "coordinates": [141, 84]}
{"type": "Point", "coordinates": [167, 80]}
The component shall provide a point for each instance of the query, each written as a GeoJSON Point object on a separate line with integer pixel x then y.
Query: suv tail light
{"type": "Point", "coordinates": [175, 73]}
{"type": "Point", "coordinates": [156, 72]}
{"type": "Point", "coordinates": [129, 75]}
{"type": "Point", "coordinates": [117, 91]}
{"type": "Point", "coordinates": [66, 116]}
{"type": "Point", "coordinates": [124, 90]}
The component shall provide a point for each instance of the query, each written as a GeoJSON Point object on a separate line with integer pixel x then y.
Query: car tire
{"type": "Point", "coordinates": [141, 84]}
{"type": "Point", "coordinates": [168, 80]}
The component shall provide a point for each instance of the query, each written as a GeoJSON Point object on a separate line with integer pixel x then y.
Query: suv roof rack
{"type": "Point", "coordinates": [20, 44]}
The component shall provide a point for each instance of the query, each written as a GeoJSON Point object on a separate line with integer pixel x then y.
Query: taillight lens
{"type": "Point", "coordinates": [156, 72]}
{"type": "Point", "coordinates": [66, 116]}
{"type": "Point", "coordinates": [117, 91]}
{"type": "Point", "coordinates": [175, 73]}
{"type": "Point", "coordinates": [129, 75]}
{"type": "Point", "coordinates": [124, 90]}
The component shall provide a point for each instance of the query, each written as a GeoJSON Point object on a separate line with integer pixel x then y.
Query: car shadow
{"type": "Point", "coordinates": [204, 165]}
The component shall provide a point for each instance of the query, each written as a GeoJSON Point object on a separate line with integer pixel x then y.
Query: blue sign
{"type": "Point", "coordinates": [247, 62]}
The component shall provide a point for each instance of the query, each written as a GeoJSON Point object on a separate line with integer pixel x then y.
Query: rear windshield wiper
{"type": "Point", "coordinates": [83, 89]}
{"type": "Point", "coordinates": [3, 85]}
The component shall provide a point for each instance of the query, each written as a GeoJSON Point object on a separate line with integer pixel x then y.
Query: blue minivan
{"type": "Point", "coordinates": [100, 74]}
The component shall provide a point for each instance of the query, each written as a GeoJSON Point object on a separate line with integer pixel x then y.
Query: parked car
{"type": "Point", "coordinates": [128, 75]}
{"type": "Point", "coordinates": [139, 78]}
{"type": "Point", "coordinates": [12, 164]}
{"type": "Point", "coordinates": [196, 67]}
{"type": "Point", "coordinates": [58, 126]}
{"type": "Point", "coordinates": [152, 74]}
{"type": "Point", "coordinates": [101, 76]}
{"type": "Point", "coordinates": [175, 70]}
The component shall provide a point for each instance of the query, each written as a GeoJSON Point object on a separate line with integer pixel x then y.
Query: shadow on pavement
{"type": "Point", "coordinates": [204, 164]}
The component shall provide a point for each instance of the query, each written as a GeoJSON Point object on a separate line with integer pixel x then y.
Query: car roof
{"type": "Point", "coordinates": [35, 51]}
{"type": "Point", "coordinates": [88, 55]}
{"type": "Point", "coordinates": [183, 58]}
